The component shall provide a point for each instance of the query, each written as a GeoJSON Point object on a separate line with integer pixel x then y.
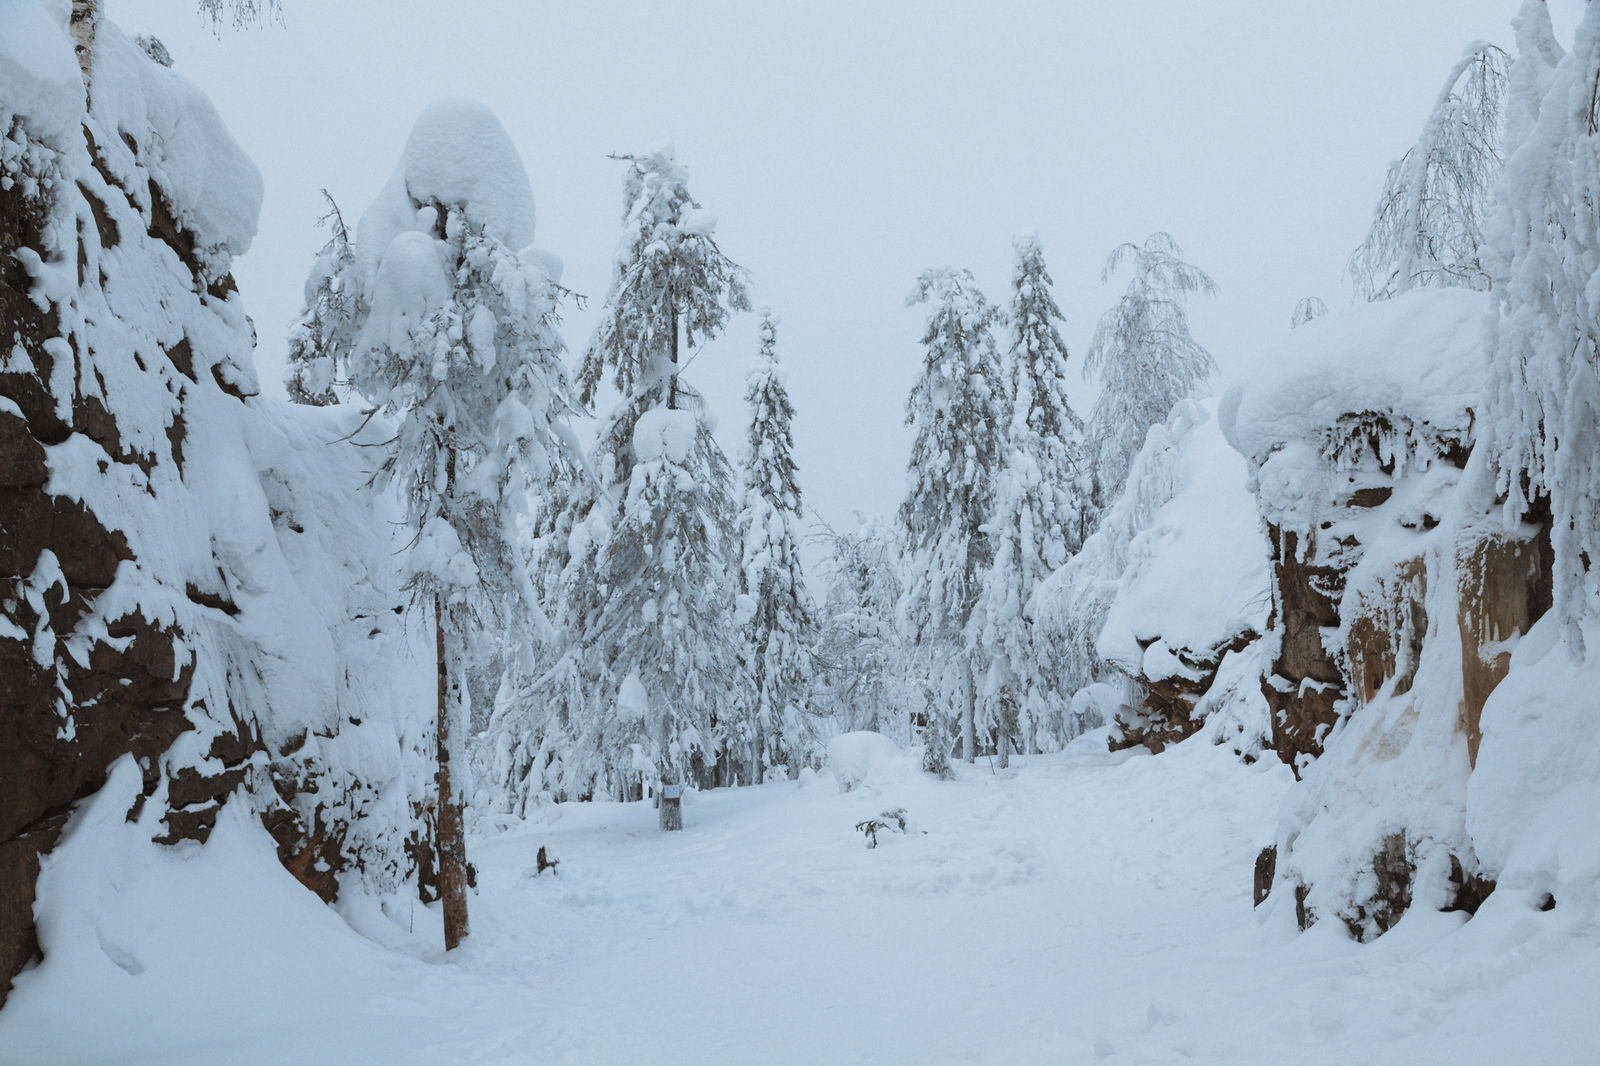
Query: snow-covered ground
{"type": "Point", "coordinates": [1082, 908]}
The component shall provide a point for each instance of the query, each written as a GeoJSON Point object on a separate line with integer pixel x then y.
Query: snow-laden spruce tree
{"type": "Point", "coordinates": [456, 341]}
{"type": "Point", "coordinates": [860, 656]}
{"type": "Point", "coordinates": [1541, 427]}
{"type": "Point", "coordinates": [775, 610]}
{"type": "Point", "coordinates": [957, 410]}
{"type": "Point", "coordinates": [321, 337]}
{"type": "Point", "coordinates": [651, 664]}
{"type": "Point", "coordinates": [1428, 225]}
{"type": "Point", "coordinates": [1144, 356]}
{"type": "Point", "coordinates": [1040, 515]}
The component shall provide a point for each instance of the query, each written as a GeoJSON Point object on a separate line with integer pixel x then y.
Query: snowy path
{"type": "Point", "coordinates": [1085, 908]}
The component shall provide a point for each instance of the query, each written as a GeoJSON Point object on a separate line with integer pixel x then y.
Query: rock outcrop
{"type": "Point", "coordinates": [183, 576]}
{"type": "Point", "coordinates": [1397, 599]}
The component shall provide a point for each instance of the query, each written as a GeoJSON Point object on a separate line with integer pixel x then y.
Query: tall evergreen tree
{"type": "Point", "coordinates": [775, 609]}
{"type": "Point", "coordinates": [456, 340]}
{"type": "Point", "coordinates": [956, 410]}
{"type": "Point", "coordinates": [652, 655]}
{"type": "Point", "coordinates": [1041, 510]}
{"type": "Point", "coordinates": [1144, 355]}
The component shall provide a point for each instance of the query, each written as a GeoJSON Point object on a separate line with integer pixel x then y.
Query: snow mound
{"type": "Point", "coordinates": [855, 757]}
{"type": "Point", "coordinates": [1419, 355]}
{"type": "Point", "coordinates": [179, 140]}
{"type": "Point", "coordinates": [38, 76]}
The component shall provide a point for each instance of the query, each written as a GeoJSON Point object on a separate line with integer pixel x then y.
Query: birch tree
{"type": "Point", "coordinates": [1144, 356]}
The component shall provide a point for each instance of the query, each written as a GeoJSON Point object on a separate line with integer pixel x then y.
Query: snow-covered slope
{"type": "Point", "coordinates": [1087, 907]}
{"type": "Point", "coordinates": [1172, 582]}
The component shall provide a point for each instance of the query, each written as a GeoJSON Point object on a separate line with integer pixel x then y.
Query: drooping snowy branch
{"type": "Point", "coordinates": [1428, 225]}
{"type": "Point", "coordinates": [1144, 356]}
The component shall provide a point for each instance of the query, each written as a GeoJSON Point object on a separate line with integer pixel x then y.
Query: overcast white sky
{"type": "Point", "coordinates": [846, 146]}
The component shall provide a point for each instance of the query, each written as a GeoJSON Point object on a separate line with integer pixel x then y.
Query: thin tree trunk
{"type": "Point", "coordinates": [671, 788]}
{"type": "Point", "coordinates": [759, 753]}
{"type": "Point", "coordinates": [672, 383]}
{"type": "Point", "coordinates": [969, 730]}
{"type": "Point", "coordinates": [85, 25]}
{"type": "Point", "coordinates": [452, 844]}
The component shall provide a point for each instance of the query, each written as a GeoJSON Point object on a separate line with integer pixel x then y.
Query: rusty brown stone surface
{"type": "Point", "coordinates": [1305, 598]}
{"type": "Point", "coordinates": [1505, 585]}
{"type": "Point", "coordinates": [1387, 633]}
{"type": "Point", "coordinates": [128, 698]}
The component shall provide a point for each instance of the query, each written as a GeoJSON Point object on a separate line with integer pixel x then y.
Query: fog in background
{"type": "Point", "coordinates": [848, 146]}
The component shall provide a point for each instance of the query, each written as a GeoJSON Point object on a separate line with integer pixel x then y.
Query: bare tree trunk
{"type": "Point", "coordinates": [452, 843]}
{"type": "Point", "coordinates": [759, 754]}
{"type": "Point", "coordinates": [969, 730]}
{"type": "Point", "coordinates": [671, 788]}
{"type": "Point", "coordinates": [1003, 749]}
{"type": "Point", "coordinates": [672, 385]}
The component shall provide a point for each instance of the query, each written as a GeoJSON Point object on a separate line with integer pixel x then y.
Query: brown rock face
{"type": "Point", "coordinates": [1167, 714]}
{"type": "Point", "coordinates": [1305, 682]}
{"type": "Point", "coordinates": [1394, 869]}
{"type": "Point", "coordinates": [1386, 634]}
{"type": "Point", "coordinates": [128, 697]}
{"type": "Point", "coordinates": [63, 720]}
{"type": "Point", "coordinates": [1505, 587]}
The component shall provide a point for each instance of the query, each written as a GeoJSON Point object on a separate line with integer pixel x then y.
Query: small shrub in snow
{"type": "Point", "coordinates": [895, 820]}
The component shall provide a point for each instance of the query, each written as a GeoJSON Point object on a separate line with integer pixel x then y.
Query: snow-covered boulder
{"type": "Point", "coordinates": [1172, 582]}
{"type": "Point", "coordinates": [856, 757]}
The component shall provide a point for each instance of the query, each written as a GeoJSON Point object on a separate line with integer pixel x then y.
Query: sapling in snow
{"type": "Point", "coordinates": [453, 336]}
{"type": "Point", "coordinates": [1144, 356]}
{"type": "Point", "coordinates": [956, 409]}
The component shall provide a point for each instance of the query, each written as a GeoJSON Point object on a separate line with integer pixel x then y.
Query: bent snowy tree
{"type": "Point", "coordinates": [1144, 356]}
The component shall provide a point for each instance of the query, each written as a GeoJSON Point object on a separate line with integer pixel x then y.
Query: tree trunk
{"type": "Point", "coordinates": [452, 844]}
{"type": "Point", "coordinates": [85, 25]}
{"type": "Point", "coordinates": [1003, 749]}
{"type": "Point", "coordinates": [672, 383]}
{"type": "Point", "coordinates": [969, 730]}
{"type": "Point", "coordinates": [759, 754]}
{"type": "Point", "coordinates": [671, 788]}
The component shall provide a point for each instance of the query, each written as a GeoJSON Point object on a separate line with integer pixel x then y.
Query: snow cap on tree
{"type": "Point", "coordinates": [458, 153]}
